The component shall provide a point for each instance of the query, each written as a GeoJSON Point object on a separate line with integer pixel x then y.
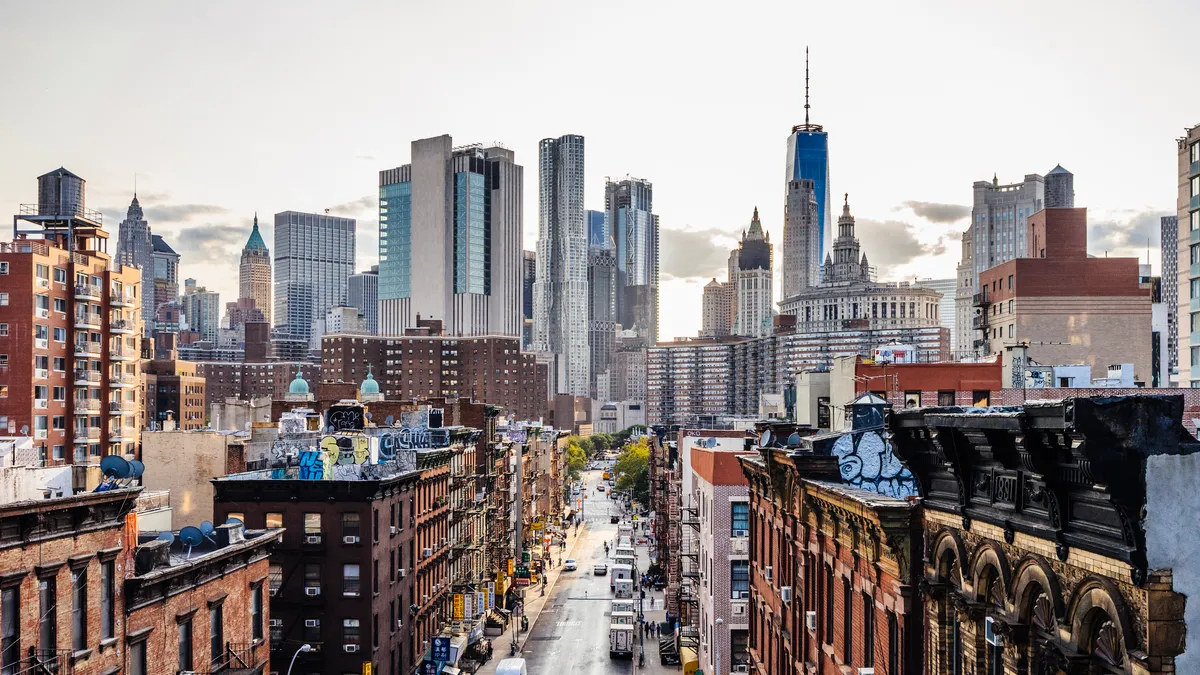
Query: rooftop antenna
{"type": "Point", "coordinates": [805, 88]}
{"type": "Point", "coordinates": [191, 536]}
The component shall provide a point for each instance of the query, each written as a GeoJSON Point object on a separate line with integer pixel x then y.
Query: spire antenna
{"type": "Point", "coordinates": [806, 106]}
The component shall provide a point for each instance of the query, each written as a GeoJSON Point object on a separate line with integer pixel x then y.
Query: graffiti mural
{"type": "Point", "coordinates": [343, 456]}
{"type": "Point", "coordinates": [291, 424]}
{"type": "Point", "coordinates": [867, 461]}
{"type": "Point", "coordinates": [311, 465]}
{"type": "Point", "coordinates": [394, 446]}
{"type": "Point", "coordinates": [345, 418]}
{"type": "Point", "coordinates": [516, 436]}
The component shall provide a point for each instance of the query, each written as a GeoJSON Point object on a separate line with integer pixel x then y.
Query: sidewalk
{"type": "Point", "coordinates": [534, 602]}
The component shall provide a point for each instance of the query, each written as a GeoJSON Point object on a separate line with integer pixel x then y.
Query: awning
{"type": "Point", "coordinates": [450, 670]}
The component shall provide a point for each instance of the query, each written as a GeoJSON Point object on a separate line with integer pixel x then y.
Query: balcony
{"type": "Point", "coordinates": [121, 354]}
{"type": "Point", "coordinates": [121, 327]}
{"type": "Point", "coordinates": [86, 377]}
{"type": "Point", "coordinates": [83, 435]}
{"type": "Point", "coordinates": [980, 300]}
{"type": "Point", "coordinates": [980, 321]}
{"type": "Point", "coordinates": [85, 320]}
{"type": "Point", "coordinates": [86, 406]}
{"type": "Point", "coordinates": [120, 381]}
{"type": "Point", "coordinates": [86, 349]}
{"type": "Point", "coordinates": [118, 300]}
{"type": "Point", "coordinates": [88, 292]}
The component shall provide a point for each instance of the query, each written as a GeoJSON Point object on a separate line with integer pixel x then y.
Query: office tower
{"type": "Point", "coordinates": [946, 314]}
{"type": "Point", "coordinates": [560, 294]}
{"type": "Point", "coordinates": [602, 323]}
{"type": "Point", "coordinates": [755, 299]}
{"type": "Point", "coordinates": [450, 240]}
{"type": "Point", "coordinates": [996, 235]}
{"type": "Point", "coordinates": [597, 228]}
{"type": "Point", "coordinates": [314, 256]}
{"type": "Point", "coordinates": [807, 159]}
{"type": "Point", "coordinates": [362, 291]}
{"type": "Point", "coordinates": [1060, 188]}
{"type": "Point", "coordinates": [631, 223]}
{"type": "Point", "coordinates": [70, 331]}
{"type": "Point", "coordinates": [1170, 288]}
{"type": "Point", "coordinates": [528, 276]}
{"type": "Point", "coordinates": [716, 313]}
{"type": "Point", "coordinates": [801, 266]}
{"type": "Point", "coordinates": [254, 273]}
{"type": "Point", "coordinates": [135, 248]}
{"type": "Point", "coordinates": [202, 309]}
{"type": "Point", "coordinates": [241, 312]}
{"type": "Point", "coordinates": [1188, 221]}
{"type": "Point", "coordinates": [166, 272]}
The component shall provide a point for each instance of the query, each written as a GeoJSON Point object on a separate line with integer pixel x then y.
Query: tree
{"type": "Point", "coordinates": [633, 470]}
{"type": "Point", "coordinates": [576, 460]}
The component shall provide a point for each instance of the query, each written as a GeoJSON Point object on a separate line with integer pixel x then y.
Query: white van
{"type": "Point", "coordinates": [622, 588]}
{"type": "Point", "coordinates": [624, 618]}
{"type": "Point", "coordinates": [511, 667]}
{"type": "Point", "coordinates": [622, 605]}
{"type": "Point", "coordinates": [620, 641]}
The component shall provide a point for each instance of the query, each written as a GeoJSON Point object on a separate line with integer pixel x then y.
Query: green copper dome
{"type": "Point", "coordinates": [256, 243]}
{"type": "Point", "coordinates": [299, 386]}
{"type": "Point", "coordinates": [369, 385]}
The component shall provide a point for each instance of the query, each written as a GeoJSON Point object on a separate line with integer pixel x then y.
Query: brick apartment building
{"type": "Point", "coordinates": [1052, 535]}
{"type": "Point", "coordinates": [256, 371]}
{"type": "Point", "coordinates": [174, 390]}
{"type": "Point", "coordinates": [424, 363]}
{"type": "Point", "coordinates": [1069, 308]}
{"type": "Point", "coordinates": [82, 592]}
{"type": "Point", "coordinates": [70, 328]}
{"type": "Point", "coordinates": [833, 570]}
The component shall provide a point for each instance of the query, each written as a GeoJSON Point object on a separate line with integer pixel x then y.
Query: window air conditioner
{"type": "Point", "coordinates": [866, 671]}
{"type": "Point", "coordinates": [393, 529]}
{"type": "Point", "coordinates": [740, 533]}
{"type": "Point", "coordinates": [312, 623]}
{"type": "Point", "coordinates": [401, 572]}
{"type": "Point", "coordinates": [785, 594]}
{"type": "Point", "coordinates": [350, 649]}
{"type": "Point", "coordinates": [350, 540]}
{"type": "Point", "coordinates": [273, 591]}
{"type": "Point", "coordinates": [767, 572]}
{"type": "Point", "coordinates": [312, 539]}
{"type": "Point", "coordinates": [399, 623]}
{"type": "Point", "coordinates": [312, 591]}
{"type": "Point", "coordinates": [810, 620]}
{"type": "Point", "coordinates": [741, 668]}
{"type": "Point", "coordinates": [425, 553]}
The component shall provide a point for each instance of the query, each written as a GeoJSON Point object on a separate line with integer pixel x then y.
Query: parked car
{"type": "Point", "coordinates": [614, 519]}
{"type": "Point", "coordinates": [569, 566]}
{"type": "Point", "coordinates": [600, 569]}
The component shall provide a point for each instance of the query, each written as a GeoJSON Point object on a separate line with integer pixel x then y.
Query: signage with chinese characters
{"type": "Point", "coordinates": [458, 606]}
{"type": "Point", "coordinates": [441, 649]}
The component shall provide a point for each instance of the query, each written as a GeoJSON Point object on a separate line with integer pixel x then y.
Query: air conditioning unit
{"type": "Point", "coordinates": [401, 572]}
{"type": "Point", "coordinates": [43, 313]}
{"type": "Point", "coordinates": [424, 598]}
{"type": "Point", "coordinates": [43, 283]}
{"type": "Point", "coordinates": [425, 553]}
{"type": "Point", "coordinates": [740, 533]}
{"type": "Point", "coordinates": [312, 591]}
{"type": "Point", "coordinates": [312, 539]}
{"type": "Point", "coordinates": [738, 610]}
{"type": "Point", "coordinates": [276, 623]}
{"type": "Point", "coordinates": [393, 528]}
{"type": "Point", "coordinates": [745, 595]}
{"type": "Point", "coordinates": [312, 623]}
{"type": "Point", "coordinates": [866, 671]}
{"type": "Point", "coordinates": [810, 620]}
{"type": "Point", "coordinates": [273, 592]}
{"type": "Point", "coordinates": [443, 541]}
{"type": "Point", "coordinates": [399, 623]}
{"type": "Point", "coordinates": [785, 594]}
{"type": "Point", "coordinates": [768, 571]}
{"type": "Point", "coordinates": [350, 649]}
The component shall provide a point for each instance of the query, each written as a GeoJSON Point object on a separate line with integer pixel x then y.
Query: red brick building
{"type": "Point", "coordinates": [174, 389]}
{"type": "Point", "coordinates": [944, 383]}
{"type": "Point", "coordinates": [82, 592]}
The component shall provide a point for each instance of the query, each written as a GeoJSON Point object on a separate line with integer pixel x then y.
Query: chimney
{"type": "Point", "coordinates": [152, 555]}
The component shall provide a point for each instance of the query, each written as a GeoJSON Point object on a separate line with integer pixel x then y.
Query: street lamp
{"type": "Point", "coordinates": [303, 648]}
{"type": "Point", "coordinates": [717, 646]}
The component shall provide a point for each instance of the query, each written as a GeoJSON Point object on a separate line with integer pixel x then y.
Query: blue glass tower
{"type": "Point", "coordinates": [808, 158]}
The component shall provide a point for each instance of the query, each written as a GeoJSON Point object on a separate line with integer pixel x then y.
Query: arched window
{"type": "Point", "coordinates": [1104, 643]}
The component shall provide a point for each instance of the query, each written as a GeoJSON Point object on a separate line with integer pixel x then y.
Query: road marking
{"type": "Point", "coordinates": [568, 624]}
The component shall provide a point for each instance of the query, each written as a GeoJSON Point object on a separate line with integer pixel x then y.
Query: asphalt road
{"type": "Point", "coordinates": [571, 633]}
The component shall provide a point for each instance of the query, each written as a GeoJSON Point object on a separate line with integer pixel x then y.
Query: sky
{"type": "Point", "coordinates": [222, 109]}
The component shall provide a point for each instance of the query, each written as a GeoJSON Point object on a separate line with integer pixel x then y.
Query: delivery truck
{"type": "Point", "coordinates": [620, 640]}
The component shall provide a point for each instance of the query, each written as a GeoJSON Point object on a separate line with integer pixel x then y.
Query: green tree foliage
{"type": "Point", "coordinates": [633, 470]}
{"type": "Point", "coordinates": [577, 456]}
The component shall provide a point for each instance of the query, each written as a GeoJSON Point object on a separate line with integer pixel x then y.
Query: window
{"type": "Point", "coordinates": [945, 398]}
{"type": "Point", "coordinates": [60, 275]}
{"type": "Point", "coordinates": [3, 299]}
{"type": "Point", "coordinates": [375, 576]}
{"type": "Point", "coordinates": [107, 588]}
{"type": "Point", "coordinates": [60, 335]}
{"type": "Point", "coordinates": [232, 516]}
{"type": "Point", "coordinates": [351, 526]}
{"type": "Point", "coordinates": [48, 608]}
{"type": "Point", "coordinates": [137, 658]}
{"type": "Point", "coordinates": [740, 518]}
{"type": "Point", "coordinates": [274, 520]}
{"type": "Point", "coordinates": [274, 577]}
{"type": "Point", "coordinates": [739, 578]}
{"type": "Point", "coordinates": [847, 622]}
{"type": "Point", "coordinates": [350, 580]}
{"type": "Point", "coordinates": [10, 629]}
{"type": "Point", "coordinates": [79, 610]}
{"type": "Point", "coordinates": [894, 646]}
{"type": "Point", "coordinates": [350, 634]}
{"type": "Point", "coordinates": [868, 631]}
{"type": "Point", "coordinates": [256, 617]}
{"type": "Point", "coordinates": [216, 633]}
{"type": "Point", "coordinates": [60, 421]}
{"type": "Point", "coordinates": [185, 643]}
{"type": "Point", "coordinates": [312, 523]}
{"type": "Point", "coordinates": [828, 605]}
{"type": "Point", "coordinates": [312, 630]}
{"type": "Point", "coordinates": [3, 330]}
{"type": "Point", "coordinates": [4, 267]}
{"type": "Point", "coordinates": [1010, 329]}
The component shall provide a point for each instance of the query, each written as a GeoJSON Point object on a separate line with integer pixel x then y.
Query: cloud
{"type": "Point", "coordinates": [694, 254]}
{"type": "Point", "coordinates": [893, 243]}
{"type": "Point", "coordinates": [938, 213]}
{"type": "Point", "coordinates": [1125, 233]}
{"type": "Point", "coordinates": [165, 213]}
{"type": "Point", "coordinates": [209, 244]}
{"type": "Point", "coordinates": [363, 206]}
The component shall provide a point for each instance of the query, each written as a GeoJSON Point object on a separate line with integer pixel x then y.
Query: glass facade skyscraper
{"type": "Point", "coordinates": [629, 206]}
{"type": "Point", "coordinates": [395, 238]}
{"type": "Point", "coordinates": [808, 158]}
{"type": "Point", "coordinates": [314, 257]}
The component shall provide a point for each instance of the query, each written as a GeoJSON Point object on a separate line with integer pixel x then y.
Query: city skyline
{"type": "Point", "coordinates": [205, 163]}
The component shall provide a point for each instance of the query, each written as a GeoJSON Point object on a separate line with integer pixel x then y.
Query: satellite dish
{"type": "Point", "coordinates": [136, 468]}
{"type": "Point", "coordinates": [793, 440]}
{"type": "Point", "coordinates": [191, 535]}
{"type": "Point", "coordinates": [206, 528]}
{"type": "Point", "coordinates": [168, 537]}
{"type": "Point", "coordinates": [24, 429]}
{"type": "Point", "coordinates": [764, 441]}
{"type": "Point", "coordinates": [367, 415]}
{"type": "Point", "coordinates": [329, 429]}
{"type": "Point", "coordinates": [114, 466]}
{"type": "Point", "coordinates": [235, 521]}
{"type": "Point", "coordinates": [390, 420]}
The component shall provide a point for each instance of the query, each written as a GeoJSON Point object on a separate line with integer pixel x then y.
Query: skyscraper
{"type": "Point", "coordinates": [202, 308]}
{"type": "Point", "coordinates": [1187, 218]}
{"type": "Point", "coordinates": [755, 297]}
{"type": "Point", "coordinates": [602, 316]}
{"type": "Point", "coordinates": [996, 235]}
{"type": "Point", "coordinates": [801, 238]}
{"type": "Point", "coordinates": [450, 228]}
{"type": "Point", "coordinates": [528, 276]}
{"type": "Point", "coordinates": [630, 221]}
{"type": "Point", "coordinates": [807, 159]}
{"type": "Point", "coordinates": [1170, 288]}
{"type": "Point", "coordinates": [560, 294]}
{"type": "Point", "coordinates": [716, 311]}
{"type": "Point", "coordinates": [135, 249]}
{"type": "Point", "coordinates": [254, 273]}
{"type": "Point", "coordinates": [597, 229]}
{"type": "Point", "coordinates": [362, 293]}
{"type": "Point", "coordinates": [314, 256]}
{"type": "Point", "coordinates": [166, 272]}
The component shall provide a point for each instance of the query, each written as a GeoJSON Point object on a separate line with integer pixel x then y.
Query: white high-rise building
{"type": "Point", "coordinates": [314, 256]}
{"type": "Point", "coordinates": [801, 266]}
{"type": "Point", "coordinates": [560, 293]}
{"type": "Point", "coordinates": [450, 229]}
{"type": "Point", "coordinates": [362, 291]}
{"type": "Point", "coordinates": [755, 310]}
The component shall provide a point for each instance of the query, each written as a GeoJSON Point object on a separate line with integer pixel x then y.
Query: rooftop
{"type": "Point", "coordinates": [156, 553]}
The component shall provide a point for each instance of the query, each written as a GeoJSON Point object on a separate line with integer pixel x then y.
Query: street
{"type": "Point", "coordinates": [569, 631]}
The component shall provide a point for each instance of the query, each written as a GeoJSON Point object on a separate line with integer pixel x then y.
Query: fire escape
{"type": "Point", "coordinates": [689, 566]}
